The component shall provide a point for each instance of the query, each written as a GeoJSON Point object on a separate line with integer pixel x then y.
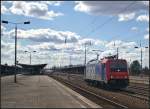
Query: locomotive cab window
{"type": "Point", "coordinates": [118, 67]}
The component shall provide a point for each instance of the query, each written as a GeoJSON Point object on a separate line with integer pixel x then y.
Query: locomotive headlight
{"type": "Point", "coordinates": [125, 77]}
{"type": "Point", "coordinates": [111, 77]}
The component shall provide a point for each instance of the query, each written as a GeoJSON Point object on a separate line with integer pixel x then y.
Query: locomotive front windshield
{"type": "Point", "coordinates": [118, 67]}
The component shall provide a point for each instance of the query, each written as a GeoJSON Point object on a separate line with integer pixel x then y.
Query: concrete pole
{"type": "Point", "coordinates": [141, 60]}
{"type": "Point", "coordinates": [15, 79]}
{"type": "Point", "coordinates": [141, 56]}
{"type": "Point", "coordinates": [85, 55]}
{"type": "Point", "coordinates": [117, 53]}
{"type": "Point", "coordinates": [0, 53]}
{"type": "Point", "coordinates": [70, 59]}
{"type": "Point", "coordinates": [97, 56]}
{"type": "Point", "coordinates": [30, 58]}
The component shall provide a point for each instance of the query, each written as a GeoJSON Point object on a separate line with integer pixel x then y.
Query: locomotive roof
{"type": "Point", "coordinates": [93, 61]}
{"type": "Point", "coordinates": [105, 60]}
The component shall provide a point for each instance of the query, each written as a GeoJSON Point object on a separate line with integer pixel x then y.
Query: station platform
{"type": "Point", "coordinates": [40, 91]}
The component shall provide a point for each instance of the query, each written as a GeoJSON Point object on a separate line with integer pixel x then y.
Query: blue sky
{"type": "Point", "coordinates": [52, 21]}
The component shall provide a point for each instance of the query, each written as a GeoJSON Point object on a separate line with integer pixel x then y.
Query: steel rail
{"type": "Point", "coordinates": [93, 94]}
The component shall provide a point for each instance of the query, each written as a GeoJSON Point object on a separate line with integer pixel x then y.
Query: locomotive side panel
{"type": "Point", "coordinates": [113, 73]}
{"type": "Point", "coordinates": [107, 72]}
{"type": "Point", "coordinates": [90, 72]}
{"type": "Point", "coordinates": [96, 72]}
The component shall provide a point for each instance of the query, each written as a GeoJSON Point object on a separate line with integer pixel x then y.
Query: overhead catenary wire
{"type": "Point", "coordinates": [95, 18]}
{"type": "Point", "coordinates": [110, 19]}
{"type": "Point", "coordinates": [131, 4]}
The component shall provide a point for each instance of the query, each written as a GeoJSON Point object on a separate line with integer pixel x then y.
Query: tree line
{"type": "Point", "coordinates": [135, 69]}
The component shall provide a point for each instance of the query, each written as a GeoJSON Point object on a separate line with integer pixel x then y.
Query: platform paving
{"type": "Point", "coordinates": [40, 91]}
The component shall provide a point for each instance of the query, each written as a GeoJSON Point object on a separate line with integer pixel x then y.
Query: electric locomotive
{"type": "Point", "coordinates": [109, 71]}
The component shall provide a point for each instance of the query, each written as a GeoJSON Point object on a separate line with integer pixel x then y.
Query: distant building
{"type": "Point", "coordinates": [76, 69]}
{"type": "Point", "coordinates": [9, 70]}
{"type": "Point", "coordinates": [33, 69]}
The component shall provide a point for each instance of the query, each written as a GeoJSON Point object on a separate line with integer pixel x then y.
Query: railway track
{"type": "Point", "coordinates": [129, 99]}
{"type": "Point", "coordinates": [139, 87]}
{"type": "Point", "coordinates": [96, 98]}
{"type": "Point", "coordinates": [141, 93]}
{"type": "Point", "coordinates": [135, 90]}
{"type": "Point", "coordinates": [139, 90]}
{"type": "Point", "coordinates": [139, 80]}
{"type": "Point", "coordinates": [136, 95]}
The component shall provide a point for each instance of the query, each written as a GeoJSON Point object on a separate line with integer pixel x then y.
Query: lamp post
{"type": "Point", "coordinates": [0, 51]}
{"type": "Point", "coordinates": [141, 53]}
{"type": "Point", "coordinates": [6, 22]}
{"type": "Point", "coordinates": [30, 54]}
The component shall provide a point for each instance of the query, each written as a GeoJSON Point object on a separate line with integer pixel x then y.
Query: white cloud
{"type": "Point", "coordinates": [91, 41]}
{"type": "Point", "coordinates": [129, 45]}
{"type": "Point", "coordinates": [88, 41]}
{"type": "Point", "coordinates": [112, 44]}
{"type": "Point", "coordinates": [2, 28]}
{"type": "Point", "coordinates": [81, 7]}
{"type": "Point", "coordinates": [46, 35]}
{"type": "Point", "coordinates": [143, 18]}
{"type": "Point", "coordinates": [33, 9]}
{"type": "Point", "coordinates": [100, 42]}
{"type": "Point", "coordinates": [126, 17]}
{"type": "Point", "coordinates": [145, 3]}
{"type": "Point", "coordinates": [6, 1]}
{"type": "Point", "coordinates": [51, 48]}
{"type": "Point", "coordinates": [4, 10]}
{"type": "Point", "coordinates": [59, 53]}
{"type": "Point", "coordinates": [54, 3]}
{"type": "Point", "coordinates": [146, 36]}
{"type": "Point", "coordinates": [45, 46]}
{"type": "Point", "coordinates": [147, 29]}
{"type": "Point", "coordinates": [7, 45]}
{"type": "Point", "coordinates": [107, 53]}
{"type": "Point", "coordinates": [134, 28]}
{"type": "Point", "coordinates": [41, 46]}
{"type": "Point", "coordinates": [7, 49]}
{"type": "Point", "coordinates": [109, 7]}
{"type": "Point", "coordinates": [120, 44]}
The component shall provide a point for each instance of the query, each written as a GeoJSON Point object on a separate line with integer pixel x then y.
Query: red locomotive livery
{"type": "Point", "coordinates": [110, 72]}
